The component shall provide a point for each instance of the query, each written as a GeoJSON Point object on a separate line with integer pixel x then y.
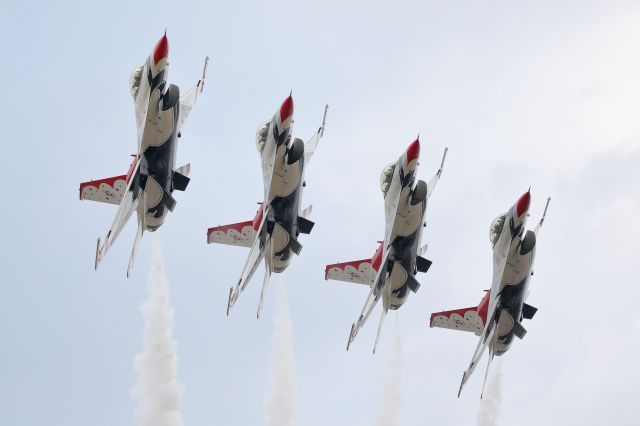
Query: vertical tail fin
{"type": "Point", "coordinates": [486, 374]}
{"type": "Point", "coordinates": [268, 256]}
{"type": "Point", "coordinates": [382, 317]}
{"type": "Point", "coordinates": [141, 212]}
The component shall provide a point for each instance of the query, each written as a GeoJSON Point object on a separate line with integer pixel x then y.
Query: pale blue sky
{"type": "Point", "coordinates": [541, 93]}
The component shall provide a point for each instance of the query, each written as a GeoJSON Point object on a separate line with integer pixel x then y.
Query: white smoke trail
{"type": "Point", "coordinates": [392, 391]}
{"type": "Point", "coordinates": [158, 393]}
{"type": "Point", "coordinates": [490, 402]}
{"type": "Point", "coordinates": [280, 401]}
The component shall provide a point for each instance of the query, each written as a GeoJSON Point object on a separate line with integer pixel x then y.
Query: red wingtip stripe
{"type": "Point", "coordinates": [413, 152]}
{"type": "Point", "coordinates": [286, 110]}
{"type": "Point", "coordinates": [161, 50]}
{"type": "Point", "coordinates": [523, 204]}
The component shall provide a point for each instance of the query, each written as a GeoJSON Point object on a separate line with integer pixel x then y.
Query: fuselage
{"type": "Point", "coordinates": [157, 114]}
{"type": "Point", "coordinates": [282, 184]}
{"type": "Point", "coordinates": [512, 280]}
{"type": "Point", "coordinates": [403, 226]}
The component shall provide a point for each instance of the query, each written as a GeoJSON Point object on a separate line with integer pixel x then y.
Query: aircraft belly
{"type": "Point", "coordinates": [516, 270]}
{"type": "Point", "coordinates": [279, 239]}
{"type": "Point", "coordinates": [272, 157]}
{"type": "Point", "coordinates": [398, 276]}
{"type": "Point", "coordinates": [505, 323]}
{"type": "Point", "coordinates": [159, 125]}
{"type": "Point", "coordinates": [153, 192]}
{"type": "Point", "coordinates": [408, 220]}
{"type": "Point", "coordinates": [285, 180]}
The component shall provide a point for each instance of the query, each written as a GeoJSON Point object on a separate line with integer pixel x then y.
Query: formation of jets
{"type": "Point", "coordinates": [272, 235]}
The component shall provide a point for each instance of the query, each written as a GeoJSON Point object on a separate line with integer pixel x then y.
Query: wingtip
{"type": "Point", "coordinates": [444, 157]}
{"type": "Point", "coordinates": [204, 73]}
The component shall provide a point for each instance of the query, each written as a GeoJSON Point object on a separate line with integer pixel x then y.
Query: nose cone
{"type": "Point", "coordinates": [523, 204]}
{"type": "Point", "coordinates": [286, 110]}
{"type": "Point", "coordinates": [161, 50]}
{"type": "Point", "coordinates": [413, 152]}
{"type": "Point", "coordinates": [411, 156]}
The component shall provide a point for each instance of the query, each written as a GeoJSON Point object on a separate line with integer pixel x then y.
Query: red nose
{"type": "Point", "coordinates": [286, 110]}
{"type": "Point", "coordinates": [523, 204]}
{"type": "Point", "coordinates": [161, 51]}
{"type": "Point", "coordinates": [413, 152]}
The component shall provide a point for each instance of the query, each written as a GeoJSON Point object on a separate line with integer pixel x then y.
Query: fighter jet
{"type": "Point", "coordinates": [152, 177]}
{"type": "Point", "coordinates": [498, 317]}
{"type": "Point", "coordinates": [273, 233]}
{"type": "Point", "coordinates": [391, 272]}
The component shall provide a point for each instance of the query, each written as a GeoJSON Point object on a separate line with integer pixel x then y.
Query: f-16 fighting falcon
{"type": "Point", "coordinates": [152, 177]}
{"type": "Point", "coordinates": [273, 232]}
{"type": "Point", "coordinates": [498, 317]}
{"type": "Point", "coordinates": [391, 272]}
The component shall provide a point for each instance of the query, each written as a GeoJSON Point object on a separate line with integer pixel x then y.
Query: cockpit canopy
{"type": "Point", "coordinates": [261, 135]}
{"type": "Point", "coordinates": [496, 228]}
{"type": "Point", "coordinates": [386, 177]}
{"type": "Point", "coordinates": [134, 80]}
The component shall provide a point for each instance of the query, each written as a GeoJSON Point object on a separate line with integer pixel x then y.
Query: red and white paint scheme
{"type": "Point", "coordinates": [390, 273]}
{"type": "Point", "coordinates": [273, 232]}
{"type": "Point", "coordinates": [147, 187]}
{"type": "Point", "coordinates": [498, 318]}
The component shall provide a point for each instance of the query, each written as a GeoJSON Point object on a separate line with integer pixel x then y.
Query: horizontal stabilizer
{"type": "Point", "coordinates": [305, 225]}
{"type": "Point", "coordinates": [528, 311]}
{"type": "Point", "coordinates": [422, 264]}
{"type": "Point", "coordinates": [519, 330]}
{"type": "Point", "coordinates": [413, 284]}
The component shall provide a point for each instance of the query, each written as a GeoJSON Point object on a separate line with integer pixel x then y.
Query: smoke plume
{"type": "Point", "coordinates": [158, 393]}
{"type": "Point", "coordinates": [490, 402]}
{"type": "Point", "coordinates": [280, 401]}
{"type": "Point", "coordinates": [392, 392]}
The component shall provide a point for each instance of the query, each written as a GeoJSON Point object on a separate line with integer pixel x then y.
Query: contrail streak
{"type": "Point", "coordinates": [280, 401]}
{"type": "Point", "coordinates": [392, 392]}
{"type": "Point", "coordinates": [158, 393]}
{"type": "Point", "coordinates": [490, 402]}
